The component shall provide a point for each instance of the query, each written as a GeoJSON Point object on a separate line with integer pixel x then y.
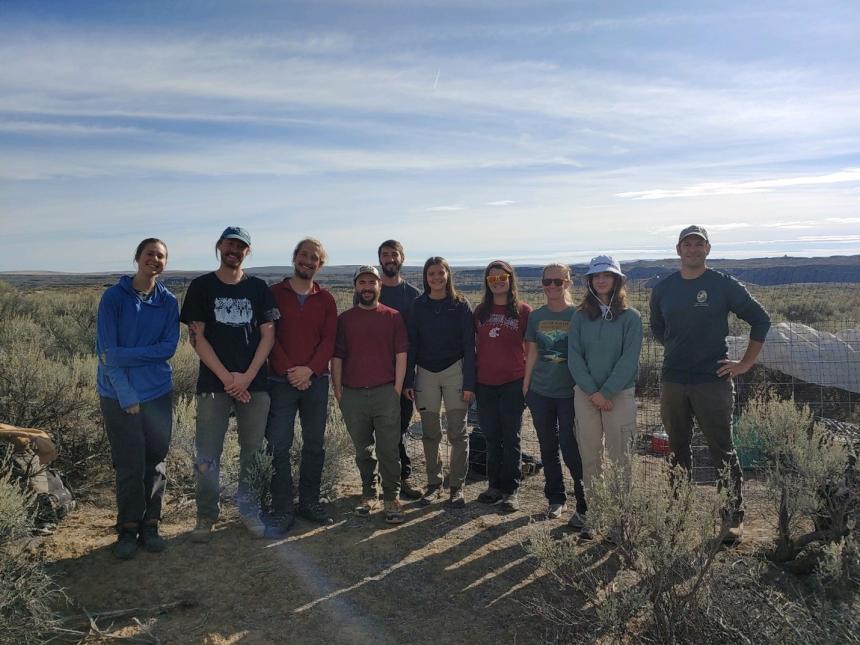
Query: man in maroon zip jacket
{"type": "Point", "coordinates": [299, 383]}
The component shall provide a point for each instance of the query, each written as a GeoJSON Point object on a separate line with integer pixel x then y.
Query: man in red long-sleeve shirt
{"type": "Point", "coordinates": [298, 380]}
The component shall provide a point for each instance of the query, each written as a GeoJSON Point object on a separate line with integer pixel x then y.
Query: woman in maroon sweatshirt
{"type": "Point", "coordinates": [500, 322]}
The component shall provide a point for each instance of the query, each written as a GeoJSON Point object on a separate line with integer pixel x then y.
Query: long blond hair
{"type": "Point", "coordinates": [566, 274]}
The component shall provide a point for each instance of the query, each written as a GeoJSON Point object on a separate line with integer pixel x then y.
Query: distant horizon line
{"type": "Point", "coordinates": [418, 267]}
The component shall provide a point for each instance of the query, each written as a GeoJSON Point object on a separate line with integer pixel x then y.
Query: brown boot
{"type": "Point", "coordinates": [408, 491]}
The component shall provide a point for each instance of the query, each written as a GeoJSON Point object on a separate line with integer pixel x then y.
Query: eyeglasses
{"type": "Point", "coordinates": [556, 281]}
{"type": "Point", "coordinates": [502, 277]}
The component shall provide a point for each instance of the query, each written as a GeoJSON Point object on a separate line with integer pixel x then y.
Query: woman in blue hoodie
{"type": "Point", "coordinates": [138, 329]}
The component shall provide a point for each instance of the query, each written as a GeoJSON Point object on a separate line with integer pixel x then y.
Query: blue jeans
{"type": "Point", "coordinates": [312, 407]}
{"type": "Point", "coordinates": [500, 408]}
{"type": "Point", "coordinates": [553, 421]}
{"type": "Point", "coordinates": [213, 414]}
{"type": "Point", "coordinates": [138, 446]}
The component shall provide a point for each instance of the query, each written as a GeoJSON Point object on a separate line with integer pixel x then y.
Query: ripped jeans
{"type": "Point", "coordinates": [138, 446]}
{"type": "Point", "coordinates": [213, 415]}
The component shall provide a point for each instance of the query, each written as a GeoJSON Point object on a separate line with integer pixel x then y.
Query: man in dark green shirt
{"type": "Point", "coordinates": [689, 317]}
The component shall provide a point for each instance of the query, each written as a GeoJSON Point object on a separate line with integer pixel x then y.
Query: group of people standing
{"type": "Point", "coordinates": [270, 354]}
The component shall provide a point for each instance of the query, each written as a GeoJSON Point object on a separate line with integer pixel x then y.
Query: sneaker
{"type": "Point", "coordinates": [150, 539]}
{"type": "Point", "coordinates": [203, 531]}
{"type": "Point", "coordinates": [126, 544]}
{"type": "Point", "coordinates": [254, 524]}
{"type": "Point", "coordinates": [432, 494]}
{"type": "Point", "coordinates": [408, 491]}
{"type": "Point", "coordinates": [366, 506]}
{"type": "Point", "coordinates": [315, 512]}
{"type": "Point", "coordinates": [554, 511]}
{"type": "Point", "coordinates": [577, 521]}
{"type": "Point", "coordinates": [510, 503]}
{"type": "Point", "coordinates": [394, 512]}
{"type": "Point", "coordinates": [457, 499]}
{"type": "Point", "coordinates": [278, 524]}
{"type": "Point", "coordinates": [491, 496]}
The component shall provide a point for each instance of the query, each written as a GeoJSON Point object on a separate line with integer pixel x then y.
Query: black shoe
{"type": "Point", "coordinates": [433, 493]}
{"type": "Point", "coordinates": [126, 545]}
{"type": "Point", "coordinates": [278, 524]}
{"type": "Point", "coordinates": [491, 496]}
{"type": "Point", "coordinates": [315, 512]}
{"type": "Point", "coordinates": [150, 539]}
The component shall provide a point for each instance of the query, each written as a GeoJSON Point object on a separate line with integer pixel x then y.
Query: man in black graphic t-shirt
{"type": "Point", "coordinates": [230, 324]}
{"type": "Point", "coordinates": [398, 294]}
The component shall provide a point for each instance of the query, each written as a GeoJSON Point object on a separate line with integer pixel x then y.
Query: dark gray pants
{"type": "Point", "coordinates": [138, 446]}
{"type": "Point", "coordinates": [712, 405]}
{"type": "Point", "coordinates": [312, 407]}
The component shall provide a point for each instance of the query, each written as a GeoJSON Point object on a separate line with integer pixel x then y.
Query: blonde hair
{"type": "Point", "coordinates": [566, 273]}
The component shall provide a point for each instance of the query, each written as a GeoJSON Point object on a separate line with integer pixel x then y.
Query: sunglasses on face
{"type": "Point", "coordinates": [556, 281]}
{"type": "Point", "coordinates": [493, 279]}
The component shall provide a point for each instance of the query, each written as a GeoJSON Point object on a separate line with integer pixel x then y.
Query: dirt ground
{"type": "Point", "coordinates": [445, 576]}
{"type": "Point", "coordinates": [451, 576]}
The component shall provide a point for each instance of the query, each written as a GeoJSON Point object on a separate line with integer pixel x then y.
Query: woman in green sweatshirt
{"type": "Point", "coordinates": [603, 356]}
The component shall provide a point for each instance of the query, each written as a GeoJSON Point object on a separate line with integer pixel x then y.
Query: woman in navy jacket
{"type": "Point", "coordinates": [441, 367]}
{"type": "Point", "coordinates": [138, 330]}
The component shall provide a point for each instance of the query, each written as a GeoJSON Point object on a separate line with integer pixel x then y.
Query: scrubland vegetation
{"type": "Point", "coordinates": [662, 578]}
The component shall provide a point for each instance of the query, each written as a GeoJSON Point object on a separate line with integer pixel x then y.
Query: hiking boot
{"type": "Point", "coordinates": [126, 544]}
{"type": "Point", "coordinates": [491, 496]}
{"type": "Point", "coordinates": [554, 511]}
{"type": "Point", "coordinates": [366, 506]}
{"type": "Point", "coordinates": [394, 512]}
{"type": "Point", "coordinates": [457, 499]}
{"type": "Point", "coordinates": [735, 531]}
{"type": "Point", "coordinates": [278, 524]}
{"type": "Point", "coordinates": [432, 494]}
{"type": "Point", "coordinates": [510, 503]}
{"type": "Point", "coordinates": [203, 531]}
{"type": "Point", "coordinates": [315, 512]}
{"type": "Point", "coordinates": [408, 491]}
{"type": "Point", "coordinates": [577, 521]}
{"type": "Point", "coordinates": [254, 524]}
{"type": "Point", "coordinates": [150, 539]}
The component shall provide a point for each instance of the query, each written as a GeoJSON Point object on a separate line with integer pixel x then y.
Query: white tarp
{"type": "Point", "coordinates": [809, 355]}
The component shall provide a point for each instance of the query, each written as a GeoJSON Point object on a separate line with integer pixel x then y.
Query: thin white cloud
{"type": "Point", "coordinates": [843, 220]}
{"type": "Point", "coordinates": [446, 208]}
{"type": "Point", "coordinates": [721, 226]}
{"type": "Point", "coordinates": [711, 189]}
{"type": "Point", "coordinates": [502, 202]}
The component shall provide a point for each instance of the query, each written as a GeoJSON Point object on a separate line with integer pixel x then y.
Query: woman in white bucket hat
{"type": "Point", "coordinates": [603, 356]}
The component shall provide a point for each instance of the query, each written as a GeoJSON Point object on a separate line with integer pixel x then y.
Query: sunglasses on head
{"type": "Point", "coordinates": [493, 279]}
{"type": "Point", "coordinates": [556, 281]}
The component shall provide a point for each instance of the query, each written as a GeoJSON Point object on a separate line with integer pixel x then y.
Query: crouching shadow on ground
{"type": "Point", "coordinates": [444, 575]}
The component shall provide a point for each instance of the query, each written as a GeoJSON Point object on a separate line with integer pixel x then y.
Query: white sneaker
{"type": "Point", "coordinates": [554, 511]}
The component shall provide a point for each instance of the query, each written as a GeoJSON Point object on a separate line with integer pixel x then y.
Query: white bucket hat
{"type": "Point", "coordinates": [604, 263]}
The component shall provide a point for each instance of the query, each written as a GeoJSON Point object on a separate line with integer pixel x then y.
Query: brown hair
{"type": "Point", "coordinates": [450, 289]}
{"type": "Point", "coordinates": [315, 242]}
{"type": "Point", "coordinates": [565, 271]}
{"type": "Point", "coordinates": [391, 244]}
{"type": "Point", "coordinates": [590, 304]}
{"type": "Point", "coordinates": [145, 243]}
{"type": "Point", "coordinates": [486, 306]}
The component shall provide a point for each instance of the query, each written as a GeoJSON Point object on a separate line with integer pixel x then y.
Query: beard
{"type": "Point", "coordinates": [367, 298]}
{"type": "Point", "coordinates": [392, 269]}
{"type": "Point", "coordinates": [304, 274]}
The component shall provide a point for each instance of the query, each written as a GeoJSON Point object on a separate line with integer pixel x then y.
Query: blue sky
{"type": "Point", "coordinates": [531, 131]}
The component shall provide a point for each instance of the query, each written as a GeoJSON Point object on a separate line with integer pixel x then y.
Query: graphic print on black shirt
{"type": "Point", "coordinates": [232, 314]}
